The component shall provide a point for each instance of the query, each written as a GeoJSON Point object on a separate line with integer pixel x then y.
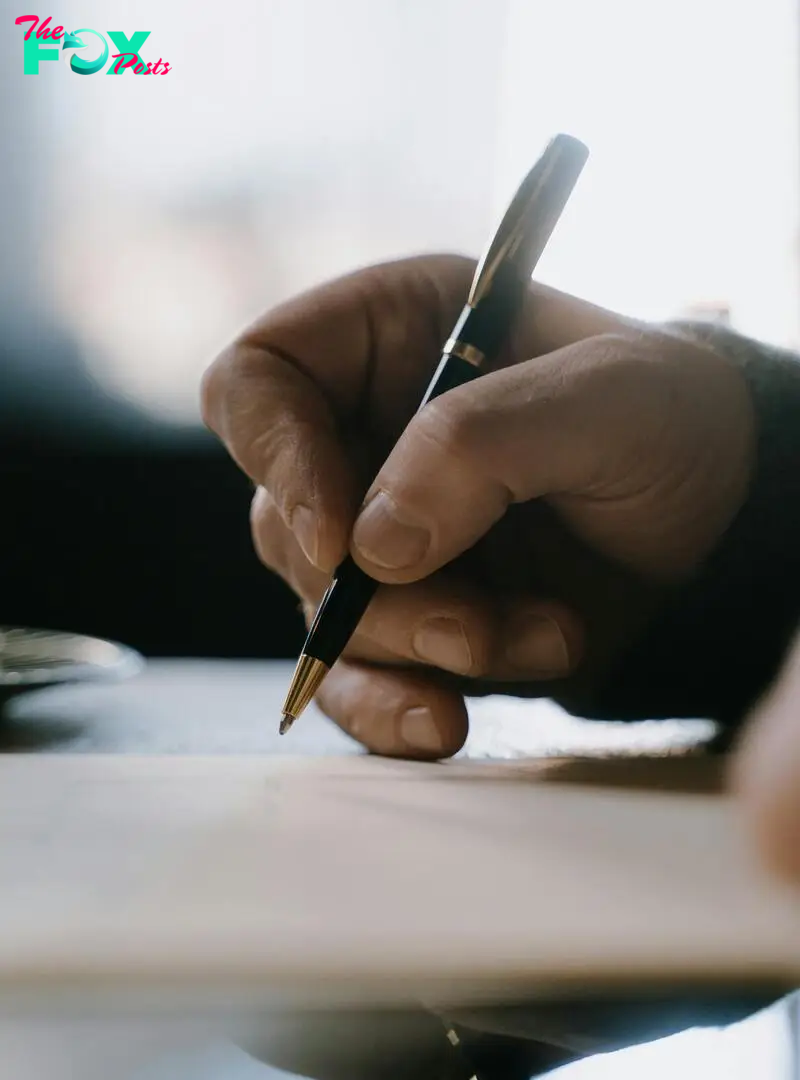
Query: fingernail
{"type": "Point", "coordinates": [419, 732]}
{"type": "Point", "coordinates": [303, 523]}
{"type": "Point", "coordinates": [442, 641]}
{"type": "Point", "coordinates": [539, 647]}
{"type": "Point", "coordinates": [384, 539]}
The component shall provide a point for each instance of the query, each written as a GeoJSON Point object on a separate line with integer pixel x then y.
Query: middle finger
{"type": "Point", "coordinates": [443, 622]}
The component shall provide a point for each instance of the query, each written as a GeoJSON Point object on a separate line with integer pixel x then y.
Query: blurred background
{"type": "Point", "coordinates": [145, 221]}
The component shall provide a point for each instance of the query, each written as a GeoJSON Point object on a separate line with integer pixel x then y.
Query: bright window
{"type": "Point", "coordinates": [296, 139]}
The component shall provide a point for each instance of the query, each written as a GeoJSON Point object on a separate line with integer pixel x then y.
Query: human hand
{"type": "Point", "coordinates": [526, 525]}
{"type": "Point", "coordinates": [767, 773]}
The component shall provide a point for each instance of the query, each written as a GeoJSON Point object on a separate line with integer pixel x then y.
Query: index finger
{"type": "Point", "coordinates": [354, 354]}
{"type": "Point", "coordinates": [284, 395]}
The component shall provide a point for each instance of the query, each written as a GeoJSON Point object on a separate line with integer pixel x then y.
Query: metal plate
{"type": "Point", "coordinates": [31, 659]}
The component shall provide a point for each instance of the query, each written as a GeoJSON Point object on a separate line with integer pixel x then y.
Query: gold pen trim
{"type": "Point", "coordinates": [454, 347]}
{"type": "Point", "coordinates": [307, 678]}
{"type": "Point", "coordinates": [510, 258]}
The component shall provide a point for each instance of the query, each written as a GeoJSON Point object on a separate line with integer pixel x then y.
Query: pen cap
{"type": "Point", "coordinates": [531, 217]}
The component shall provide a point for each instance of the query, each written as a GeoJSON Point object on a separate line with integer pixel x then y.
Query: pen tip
{"type": "Point", "coordinates": [286, 723]}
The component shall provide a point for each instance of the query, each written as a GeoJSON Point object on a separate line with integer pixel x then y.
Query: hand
{"type": "Point", "coordinates": [767, 773]}
{"type": "Point", "coordinates": [528, 523]}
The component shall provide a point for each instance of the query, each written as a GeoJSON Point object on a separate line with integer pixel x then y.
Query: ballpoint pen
{"type": "Point", "coordinates": [494, 300]}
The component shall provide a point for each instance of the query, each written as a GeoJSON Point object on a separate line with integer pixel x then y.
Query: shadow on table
{"type": "Point", "coordinates": [32, 734]}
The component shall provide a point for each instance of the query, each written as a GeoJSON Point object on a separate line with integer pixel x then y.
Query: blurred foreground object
{"type": "Point", "coordinates": [33, 659]}
{"type": "Point", "coordinates": [246, 884]}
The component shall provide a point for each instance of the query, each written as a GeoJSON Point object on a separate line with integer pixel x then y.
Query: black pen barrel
{"type": "Point", "coordinates": [350, 591]}
{"type": "Point", "coordinates": [479, 336]}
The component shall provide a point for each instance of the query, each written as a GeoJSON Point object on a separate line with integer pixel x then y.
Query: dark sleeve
{"type": "Point", "coordinates": [720, 641]}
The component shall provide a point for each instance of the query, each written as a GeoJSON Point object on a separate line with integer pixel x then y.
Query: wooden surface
{"type": "Point", "coordinates": [363, 880]}
{"type": "Point", "coordinates": [60, 882]}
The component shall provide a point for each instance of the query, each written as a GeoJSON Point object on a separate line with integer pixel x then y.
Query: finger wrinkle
{"type": "Point", "coordinates": [287, 451]}
{"type": "Point", "coordinates": [307, 372]}
{"type": "Point", "coordinates": [465, 435]}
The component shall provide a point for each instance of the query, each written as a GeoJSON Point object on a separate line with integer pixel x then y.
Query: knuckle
{"type": "Point", "coordinates": [453, 639]}
{"type": "Point", "coordinates": [619, 345]}
{"type": "Point", "coordinates": [226, 384]}
{"type": "Point", "coordinates": [265, 527]}
{"type": "Point", "coordinates": [451, 425]}
{"type": "Point", "coordinates": [637, 343]}
{"type": "Point", "coordinates": [625, 366]}
{"type": "Point", "coordinates": [479, 646]}
{"type": "Point", "coordinates": [277, 549]}
{"type": "Point", "coordinates": [619, 340]}
{"type": "Point", "coordinates": [211, 391]}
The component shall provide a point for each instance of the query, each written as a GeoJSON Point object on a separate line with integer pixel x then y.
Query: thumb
{"type": "Point", "coordinates": [509, 436]}
{"type": "Point", "coordinates": [766, 773]}
{"type": "Point", "coordinates": [616, 430]}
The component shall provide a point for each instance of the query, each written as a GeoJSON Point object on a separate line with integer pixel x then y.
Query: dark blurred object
{"type": "Point", "coordinates": [34, 659]}
{"type": "Point", "coordinates": [113, 524]}
{"type": "Point", "coordinates": [121, 526]}
{"type": "Point", "coordinates": [144, 541]}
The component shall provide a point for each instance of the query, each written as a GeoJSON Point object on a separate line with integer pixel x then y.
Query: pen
{"type": "Point", "coordinates": [494, 300]}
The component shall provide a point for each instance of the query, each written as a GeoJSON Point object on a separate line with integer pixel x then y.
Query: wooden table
{"type": "Point", "coordinates": [221, 707]}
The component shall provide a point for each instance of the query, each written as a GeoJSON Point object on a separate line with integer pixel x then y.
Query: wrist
{"type": "Point", "coordinates": [721, 638]}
